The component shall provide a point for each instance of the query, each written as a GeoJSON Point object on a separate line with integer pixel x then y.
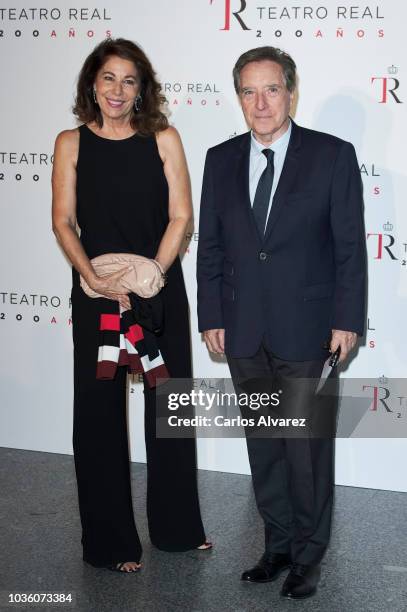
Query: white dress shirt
{"type": "Point", "coordinates": [258, 163]}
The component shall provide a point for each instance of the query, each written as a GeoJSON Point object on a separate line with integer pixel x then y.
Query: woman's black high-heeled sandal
{"type": "Point", "coordinates": [119, 568]}
{"type": "Point", "coordinates": [205, 546]}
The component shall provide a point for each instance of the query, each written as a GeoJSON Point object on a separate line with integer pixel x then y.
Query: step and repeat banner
{"type": "Point", "coordinates": [351, 84]}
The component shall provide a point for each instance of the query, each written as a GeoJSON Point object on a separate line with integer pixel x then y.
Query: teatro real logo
{"type": "Point", "coordinates": [388, 396]}
{"type": "Point", "coordinates": [245, 16]}
{"type": "Point", "coordinates": [236, 14]}
{"type": "Point", "coordinates": [24, 165]}
{"type": "Point", "coordinates": [23, 22]}
{"type": "Point", "coordinates": [385, 87]}
{"type": "Point", "coordinates": [191, 94]}
{"type": "Point", "coordinates": [382, 245]}
{"type": "Point", "coordinates": [24, 307]}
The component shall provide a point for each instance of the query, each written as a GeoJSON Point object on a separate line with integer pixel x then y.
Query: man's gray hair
{"type": "Point", "coordinates": [273, 54]}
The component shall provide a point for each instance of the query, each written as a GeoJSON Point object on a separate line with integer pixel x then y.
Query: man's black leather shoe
{"type": "Point", "coordinates": [301, 582]}
{"type": "Point", "coordinates": [268, 568]}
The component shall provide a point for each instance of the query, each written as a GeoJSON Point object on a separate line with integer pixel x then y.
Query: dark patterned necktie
{"type": "Point", "coordinates": [263, 192]}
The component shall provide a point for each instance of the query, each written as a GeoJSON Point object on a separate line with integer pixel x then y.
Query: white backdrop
{"type": "Point", "coordinates": [351, 84]}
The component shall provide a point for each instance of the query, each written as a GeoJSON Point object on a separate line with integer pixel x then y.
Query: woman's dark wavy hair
{"type": "Point", "coordinates": [150, 118]}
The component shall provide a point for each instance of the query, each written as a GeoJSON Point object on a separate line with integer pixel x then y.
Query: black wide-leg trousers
{"type": "Point", "coordinates": [101, 453]}
{"type": "Point", "coordinates": [293, 477]}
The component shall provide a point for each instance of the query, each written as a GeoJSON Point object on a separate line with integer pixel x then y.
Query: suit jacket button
{"type": "Point", "coordinates": [262, 256]}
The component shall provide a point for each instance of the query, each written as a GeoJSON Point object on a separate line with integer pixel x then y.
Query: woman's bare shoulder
{"type": "Point", "coordinates": [67, 144]}
{"type": "Point", "coordinates": [169, 143]}
{"type": "Point", "coordinates": [169, 137]}
{"type": "Point", "coordinates": [68, 138]}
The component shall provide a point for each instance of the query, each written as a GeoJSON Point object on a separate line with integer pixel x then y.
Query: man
{"type": "Point", "coordinates": [281, 271]}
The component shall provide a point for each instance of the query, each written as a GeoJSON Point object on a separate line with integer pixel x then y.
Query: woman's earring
{"type": "Point", "coordinates": [137, 103]}
{"type": "Point", "coordinates": [94, 96]}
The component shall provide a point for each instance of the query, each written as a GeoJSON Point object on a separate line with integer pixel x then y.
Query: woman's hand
{"type": "Point", "coordinates": [110, 287]}
{"type": "Point", "coordinates": [123, 300]}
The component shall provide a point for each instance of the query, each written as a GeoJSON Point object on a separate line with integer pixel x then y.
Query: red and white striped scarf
{"type": "Point", "coordinates": [123, 342]}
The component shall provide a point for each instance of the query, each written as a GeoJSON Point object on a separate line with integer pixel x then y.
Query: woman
{"type": "Point", "coordinates": [122, 177]}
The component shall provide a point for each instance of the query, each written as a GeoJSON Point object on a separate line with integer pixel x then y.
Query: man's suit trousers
{"type": "Point", "coordinates": [293, 477]}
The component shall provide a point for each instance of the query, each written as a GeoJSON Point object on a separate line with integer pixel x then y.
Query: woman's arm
{"type": "Point", "coordinates": [64, 216]}
{"type": "Point", "coordinates": [64, 202]}
{"type": "Point", "coordinates": [179, 204]}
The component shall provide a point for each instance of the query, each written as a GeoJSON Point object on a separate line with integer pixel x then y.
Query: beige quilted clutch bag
{"type": "Point", "coordinates": [145, 278]}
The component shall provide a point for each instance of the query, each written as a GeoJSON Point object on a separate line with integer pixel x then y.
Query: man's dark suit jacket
{"type": "Point", "coordinates": [307, 275]}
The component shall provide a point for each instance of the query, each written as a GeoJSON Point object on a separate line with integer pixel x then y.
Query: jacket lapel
{"type": "Point", "coordinates": [243, 173]}
{"type": "Point", "coordinates": [287, 177]}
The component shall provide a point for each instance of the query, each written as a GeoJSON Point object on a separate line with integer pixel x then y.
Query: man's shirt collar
{"type": "Point", "coordinates": [276, 146]}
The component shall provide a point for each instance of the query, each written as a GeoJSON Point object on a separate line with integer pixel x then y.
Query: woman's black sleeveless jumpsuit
{"type": "Point", "coordinates": [122, 206]}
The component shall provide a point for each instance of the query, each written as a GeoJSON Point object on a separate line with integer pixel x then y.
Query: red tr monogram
{"type": "Point", "coordinates": [376, 399]}
{"type": "Point", "coordinates": [385, 89]}
{"type": "Point", "coordinates": [236, 14]}
{"type": "Point", "coordinates": [381, 246]}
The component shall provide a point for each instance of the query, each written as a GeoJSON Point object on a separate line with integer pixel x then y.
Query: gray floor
{"type": "Point", "coordinates": [364, 570]}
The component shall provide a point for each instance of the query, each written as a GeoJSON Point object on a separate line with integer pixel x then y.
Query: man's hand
{"type": "Point", "coordinates": [215, 340]}
{"type": "Point", "coordinates": [345, 339]}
